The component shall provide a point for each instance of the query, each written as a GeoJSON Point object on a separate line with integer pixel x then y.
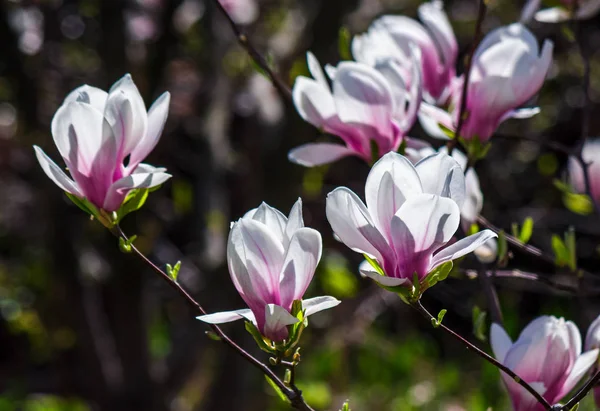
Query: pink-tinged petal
{"type": "Point", "coordinates": [118, 190]}
{"type": "Point", "coordinates": [391, 181]}
{"type": "Point", "coordinates": [582, 365]}
{"type": "Point", "coordinates": [56, 174]}
{"type": "Point", "coordinates": [252, 290]}
{"type": "Point", "coordinates": [77, 129]}
{"type": "Point", "coordinates": [553, 15]}
{"type": "Point", "coordinates": [526, 359]}
{"type": "Point", "coordinates": [588, 9]}
{"type": "Point", "coordinates": [294, 223]}
{"type": "Point", "coordinates": [351, 222]}
{"type": "Point", "coordinates": [315, 70]}
{"type": "Point", "coordinates": [147, 168]}
{"type": "Point", "coordinates": [574, 340]}
{"type": "Point", "coordinates": [363, 96]}
{"type": "Point", "coordinates": [313, 101]}
{"type": "Point", "coordinates": [317, 304]}
{"type": "Point", "coordinates": [430, 220]}
{"type": "Point", "coordinates": [500, 342]}
{"type": "Point", "coordinates": [89, 95]}
{"type": "Point", "coordinates": [264, 255]}
{"type": "Point", "coordinates": [126, 113]}
{"type": "Point", "coordinates": [521, 113]}
{"type": "Point", "coordinates": [276, 321]}
{"type": "Point", "coordinates": [228, 316]}
{"type": "Point", "coordinates": [440, 174]}
{"type": "Point", "coordinates": [301, 260]}
{"type": "Point", "coordinates": [435, 19]}
{"type": "Point", "coordinates": [592, 338]}
{"type": "Point", "coordinates": [462, 247]}
{"type": "Point", "coordinates": [430, 114]}
{"type": "Point", "coordinates": [316, 154]}
{"type": "Point", "coordinates": [521, 399]}
{"type": "Point", "coordinates": [367, 271]}
{"type": "Point", "coordinates": [272, 218]}
{"type": "Point", "coordinates": [415, 92]}
{"type": "Point", "coordinates": [157, 117]}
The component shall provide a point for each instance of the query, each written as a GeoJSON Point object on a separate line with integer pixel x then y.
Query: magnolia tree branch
{"type": "Point", "coordinates": [482, 9]}
{"type": "Point", "coordinates": [245, 42]}
{"type": "Point", "coordinates": [294, 395]}
{"type": "Point", "coordinates": [423, 311]}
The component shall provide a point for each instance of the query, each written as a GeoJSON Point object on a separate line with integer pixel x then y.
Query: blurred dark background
{"type": "Point", "coordinates": [85, 327]}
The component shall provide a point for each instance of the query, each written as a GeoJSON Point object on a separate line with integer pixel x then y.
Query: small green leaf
{"type": "Point", "coordinates": [277, 390]}
{"type": "Point", "coordinates": [473, 229]}
{"type": "Point", "coordinates": [287, 376]}
{"type": "Point", "coordinates": [502, 248]}
{"type": "Point", "coordinates": [440, 273]}
{"type": "Point", "coordinates": [346, 406]}
{"type": "Point", "coordinates": [567, 32]}
{"type": "Point", "coordinates": [173, 271]}
{"type": "Point", "coordinates": [526, 230]}
{"type": "Point", "coordinates": [83, 204]}
{"type": "Point", "coordinates": [449, 133]}
{"type": "Point", "coordinates": [479, 325]}
{"type": "Point", "coordinates": [561, 253]}
{"type": "Point", "coordinates": [125, 244]}
{"type": "Point", "coordinates": [374, 264]}
{"type": "Point", "coordinates": [575, 407]}
{"type": "Point", "coordinates": [133, 202]}
{"type": "Point", "coordinates": [344, 40]}
{"type": "Point", "coordinates": [260, 340]}
{"type": "Point", "coordinates": [213, 336]}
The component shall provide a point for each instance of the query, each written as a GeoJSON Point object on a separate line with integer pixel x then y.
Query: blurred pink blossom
{"type": "Point", "coordinates": [591, 155]}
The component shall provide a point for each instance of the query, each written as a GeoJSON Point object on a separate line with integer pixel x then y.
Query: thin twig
{"type": "Point", "coordinates": [491, 296]}
{"type": "Point", "coordinates": [294, 396]}
{"type": "Point", "coordinates": [582, 392]}
{"type": "Point", "coordinates": [245, 42]}
{"type": "Point", "coordinates": [423, 311]}
{"type": "Point", "coordinates": [482, 9]}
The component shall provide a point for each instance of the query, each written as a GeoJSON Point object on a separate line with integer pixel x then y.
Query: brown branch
{"type": "Point", "coordinates": [482, 9]}
{"type": "Point", "coordinates": [245, 42]}
{"type": "Point", "coordinates": [423, 311]}
{"type": "Point", "coordinates": [582, 392]}
{"type": "Point", "coordinates": [294, 396]}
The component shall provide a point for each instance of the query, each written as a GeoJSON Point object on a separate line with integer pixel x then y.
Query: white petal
{"type": "Point", "coordinates": [582, 365]}
{"type": "Point", "coordinates": [428, 219]}
{"type": "Point", "coordinates": [553, 15]}
{"type": "Point", "coordinates": [435, 19]}
{"type": "Point", "coordinates": [366, 270]}
{"type": "Point", "coordinates": [431, 117]}
{"type": "Point", "coordinates": [531, 6]}
{"type": "Point", "coordinates": [157, 117]}
{"type": "Point", "coordinates": [141, 180]}
{"type": "Point", "coordinates": [592, 338]}
{"type": "Point", "coordinates": [272, 218]}
{"type": "Point", "coordinates": [126, 113]}
{"type": "Point", "coordinates": [500, 342]}
{"type": "Point", "coordinates": [351, 222]}
{"type": "Point", "coordinates": [147, 168]}
{"type": "Point", "coordinates": [317, 304]}
{"type": "Point", "coordinates": [295, 222]}
{"type": "Point", "coordinates": [277, 318]}
{"type": "Point", "coordinates": [56, 174]}
{"type": "Point", "coordinates": [316, 154]}
{"type": "Point", "coordinates": [228, 316]}
{"type": "Point", "coordinates": [391, 181]}
{"type": "Point", "coordinates": [462, 247]}
{"type": "Point", "coordinates": [89, 95]}
{"type": "Point", "coordinates": [440, 174]}
{"type": "Point", "coordinates": [301, 260]}
{"type": "Point", "coordinates": [363, 96]}
{"type": "Point", "coordinates": [431, 127]}
{"type": "Point", "coordinates": [315, 70]}
{"type": "Point", "coordinates": [313, 101]}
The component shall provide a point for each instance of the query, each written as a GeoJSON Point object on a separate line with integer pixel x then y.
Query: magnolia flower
{"type": "Point", "coordinates": [392, 36]}
{"type": "Point", "coordinates": [592, 341]}
{"type": "Point", "coordinates": [591, 155]}
{"type": "Point", "coordinates": [507, 70]}
{"type": "Point", "coordinates": [103, 138]}
{"type": "Point", "coordinates": [241, 11]}
{"type": "Point", "coordinates": [547, 355]}
{"type": "Point", "coordinates": [272, 260]}
{"type": "Point", "coordinates": [365, 107]}
{"type": "Point", "coordinates": [411, 212]}
{"type": "Point", "coordinates": [566, 10]}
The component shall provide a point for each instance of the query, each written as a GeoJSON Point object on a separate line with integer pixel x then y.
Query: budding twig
{"type": "Point", "coordinates": [482, 9]}
{"type": "Point", "coordinates": [423, 311]}
{"type": "Point", "coordinates": [245, 42]}
{"type": "Point", "coordinates": [293, 395]}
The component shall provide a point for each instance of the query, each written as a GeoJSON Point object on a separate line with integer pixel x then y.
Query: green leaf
{"type": "Point", "coordinates": [83, 204]}
{"type": "Point", "coordinates": [125, 244]}
{"type": "Point", "coordinates": [502, 246]}
{"type": "Point", "coordinates": [479, 325]}
{"type": "Point", "coordinates": [561, 253]}
{"type": "Point", "coordinates": [440, 273]}
{"type": "Point", "coordinates": [133, 202]}
{"type": "Point", "coordinates": [173, 271]}
{"type": "Point", "coordinates": [260, 340]}
{"type": "Point", "coordinates": [374, 264]}
{"type": "Point", "coordinates": [578, 203]}
{"type": "Point", "coordinates": [575, 407]}
{"type": "Point", "coordinates": [473, 229]}
{"type": "Point", "coordinates": [213, 335]}
{"type": "Point", "coordinates": [344, 40]}
{"type": "Point", "coordinates": [278, 391]}
{"type": "Point", "coordinates": [346, 406]}
{"type": "Point", "coordinates": [526, 230]}
{"type": "Point", "coordinates": [449, 133]}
